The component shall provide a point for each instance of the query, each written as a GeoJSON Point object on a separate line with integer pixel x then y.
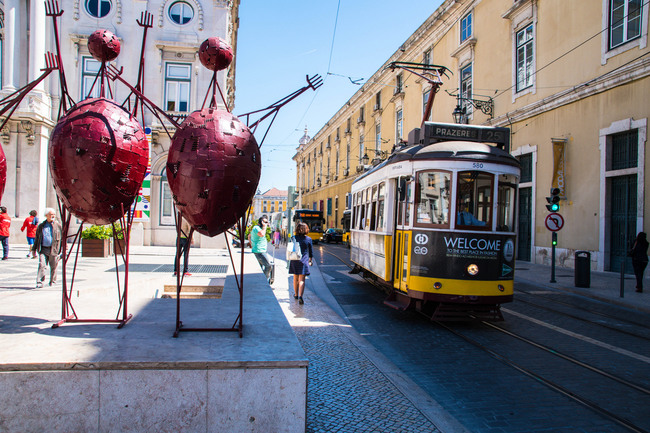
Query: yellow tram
{"type": "Point", "coordinates": [436, 222]}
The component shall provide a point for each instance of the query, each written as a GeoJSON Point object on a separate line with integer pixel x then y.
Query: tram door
{"type": "Point", "coordinates": [402, 234]}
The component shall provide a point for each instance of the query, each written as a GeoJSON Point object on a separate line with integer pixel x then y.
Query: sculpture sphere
{"type": "Point", "coordinates": [98, 160]}
{"type": "Point", "coordinates": [103, 45]}
{"type": "Point", "coordinates": [3, 172]}
{"type": "Point", "coordinates": [213, 169]}
{"type": "Point", "coordinates": [215, 54]}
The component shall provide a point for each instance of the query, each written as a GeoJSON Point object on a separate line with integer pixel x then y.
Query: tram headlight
{"type": "Point", "coordinates": [501, 288]}
{"type": "Point", "coordinates": [472, 269]}
{"type": "Point", "coordinates": [437, 285]}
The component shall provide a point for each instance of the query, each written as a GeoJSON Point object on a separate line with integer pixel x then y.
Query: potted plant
{"type": "Point", "coordinates": [96, 240]}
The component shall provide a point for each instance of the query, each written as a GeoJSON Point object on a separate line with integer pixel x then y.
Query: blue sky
{"type": "Point", "coordinates": [280, 42]}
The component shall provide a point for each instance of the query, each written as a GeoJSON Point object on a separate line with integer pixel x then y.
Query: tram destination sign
{"type": "Point", "coordinates": [434, 132]}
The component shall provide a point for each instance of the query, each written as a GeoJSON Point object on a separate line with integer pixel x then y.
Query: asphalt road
{"type": "Point", "coordinates": [566, 364]}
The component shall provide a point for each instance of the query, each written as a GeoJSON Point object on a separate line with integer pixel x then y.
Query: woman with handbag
{"type": "Point", "coordinates": [300, 268]}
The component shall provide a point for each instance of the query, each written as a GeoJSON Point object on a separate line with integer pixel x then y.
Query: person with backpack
{"type": "Point", "coordinates": [31, 224]}
{"type": "Point", "coordinates": [300, 268]}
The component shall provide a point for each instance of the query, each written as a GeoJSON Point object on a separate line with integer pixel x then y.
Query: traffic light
{"type": "Point", "coordinates": [554, 239]}
{"type": "Point", "coordinates": [553, 200]}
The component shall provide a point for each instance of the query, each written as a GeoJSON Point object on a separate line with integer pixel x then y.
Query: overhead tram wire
{"type": "Point", "coordinates": [336, 20]}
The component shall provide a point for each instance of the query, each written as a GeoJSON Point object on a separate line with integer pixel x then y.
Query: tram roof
{"type": "Point", "coordinates": [458, 150]}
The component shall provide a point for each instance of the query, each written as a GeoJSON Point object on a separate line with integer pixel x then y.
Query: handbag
{"type": "Point", "coordinates": [293, 250]}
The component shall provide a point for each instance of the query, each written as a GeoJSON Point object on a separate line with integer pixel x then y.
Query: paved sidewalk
{"type": "Point", "coordinates": [352, 387]}
{"type": "Point", "coordinates": [604, 286]}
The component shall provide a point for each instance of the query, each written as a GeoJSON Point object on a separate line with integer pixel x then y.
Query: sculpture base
{"type": "Point", "coordinates": [94, 377]}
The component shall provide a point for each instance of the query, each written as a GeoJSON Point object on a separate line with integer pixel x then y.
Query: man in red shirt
{"type": "Point", "coordinates": [5, 222]}
{"type": "Point", "coordinates": [30, 223]}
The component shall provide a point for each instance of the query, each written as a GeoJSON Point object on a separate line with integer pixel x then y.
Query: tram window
{"type": "Point", "coordinates": [506, 203]}
{"type": "Point", "coordinates": [373, 209]}
{"type": "Point", "coordinates": [362, 219]}
{"type": "Point", "coordinates": [432, 198]}
{"type": "Point", "coordinates": [380, 207]}
{"type": "Point", "coordinates": [401, 194]}
{"type": "Point", "coordinates": [474, 200]}
{"type": "Point", "coordinates": [409, 202]}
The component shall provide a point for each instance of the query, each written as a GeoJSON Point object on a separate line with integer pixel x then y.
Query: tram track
{"type": "Point", "coordinates": [587, 402]}
{"type": "Point", "coordinates": [573, 316]}
{"type": "Point", "coordinates": [577, 307]}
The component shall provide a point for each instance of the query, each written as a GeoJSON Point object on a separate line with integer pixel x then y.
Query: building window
{"type": "Point", "coordinates": [425, 99]}
{"type": "Point", "coordinates": [362, 114]}
{"type": "Point", "coordinates": [337, 162]}
{"type": "Point", "coordinates": [347, 157]}
{"type": "Point", "coordinates": [398, 127]}
{"type": "Point", "coordinates": [361, 150]}
{"type": "Point", "coordinates": [526, 161]}
{"type": "Point", "coordinates": [466, 87]}
{"type": "Point", "coordinates": [623, 150]}
{"type": "Point", "coordinates": [181, 13]}
{"type": "Point", "coordinates": [377, 139]}
{"type": "Point", "coordinates": [624, 21]}
{"type": "Point", "coordinates": [399, 84]}
{"type": "Point", "coordinates": [89, 70]}
{"type": "Point", "coordinates": [177, 87]}
{"type": "Point", "coordinates": [98, 8]}
{"type": "Point", "coordinates": [378, 101]}
{"type": "Point", "coordinates": [525, 58]}
{"type": "Point", "coordinates": [466, 27]}
{"type": "Point", "coordinates": [426, 57]}
{"type": "Point", "coordinates": [166, 208]}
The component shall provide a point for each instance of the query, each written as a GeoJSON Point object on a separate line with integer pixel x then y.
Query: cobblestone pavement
{"type": "Point", "coordinates": [347, 392]}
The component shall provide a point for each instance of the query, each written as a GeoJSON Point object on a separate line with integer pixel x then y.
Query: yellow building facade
{"type": "Point", "coordinates": [570, 80]}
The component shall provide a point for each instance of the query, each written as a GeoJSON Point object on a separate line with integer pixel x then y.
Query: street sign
{"type": "Point", "coordinates": [554, 222]}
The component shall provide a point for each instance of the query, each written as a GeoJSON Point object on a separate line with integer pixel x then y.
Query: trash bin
{"type": "Point", "coordinates": [582, 269]}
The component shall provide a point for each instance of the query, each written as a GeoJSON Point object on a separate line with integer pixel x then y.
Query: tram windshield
{"type": "Point", "coordinates": [474, 200]}
{"type": "Point", "coordinates": [432, 195]}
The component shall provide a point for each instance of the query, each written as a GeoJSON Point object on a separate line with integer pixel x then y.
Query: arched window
{"type": "Point", "coordinates": [181, 13]}
{"type": "Point", "coordinates": [98, 8]}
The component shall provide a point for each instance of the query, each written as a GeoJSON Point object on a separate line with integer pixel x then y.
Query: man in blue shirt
{"type": "Point", "coordinates": [48, 246]}
{"type": "Point", "coordinates": [258, 240]}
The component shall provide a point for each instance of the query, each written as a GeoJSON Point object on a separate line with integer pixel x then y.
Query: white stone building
{"type": "Point", "coordinates": [174, 79]}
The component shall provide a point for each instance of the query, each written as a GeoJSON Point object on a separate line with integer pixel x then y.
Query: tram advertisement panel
{"type": "Point", "coordinates": [448, 254]}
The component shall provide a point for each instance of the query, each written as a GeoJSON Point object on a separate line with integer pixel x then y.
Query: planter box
{"type": "Point", "coordinates": [96, 248]}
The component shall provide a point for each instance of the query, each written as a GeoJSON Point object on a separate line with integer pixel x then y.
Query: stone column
{"type": "Point", "coordinates": [36, 41]}
{"type": "Point", "coordinates": [11, 41]}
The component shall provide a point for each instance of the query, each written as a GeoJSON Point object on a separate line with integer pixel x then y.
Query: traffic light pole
{"type": "Point", "coordinates": [553, 243]}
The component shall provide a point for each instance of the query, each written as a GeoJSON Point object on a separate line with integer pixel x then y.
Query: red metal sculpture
{"type": "Point", "coordinates": [98, 156]}
{"type": "Point", "coordinates": [3, 172]}
{"type": "Point", "coordinates": [213, 169]}
{"type": "Point", "coordinates": [98, 159]}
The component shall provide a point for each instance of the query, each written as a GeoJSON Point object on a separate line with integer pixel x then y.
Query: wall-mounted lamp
{"type": "Point", "coordinates": [365, 160]}
{"type": "Point", "coordinates": [460, 112]}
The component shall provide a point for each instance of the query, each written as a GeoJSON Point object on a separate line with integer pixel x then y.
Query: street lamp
{"type": "Point", "coordinates": [365, 160]}
{"type": "Point", "coordinates": [459, 113]}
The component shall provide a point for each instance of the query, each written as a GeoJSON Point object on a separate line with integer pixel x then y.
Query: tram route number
{"type": "Point", "coordinates": [477, 165]}
{"type": "Point", "coordinates": [554, 221]}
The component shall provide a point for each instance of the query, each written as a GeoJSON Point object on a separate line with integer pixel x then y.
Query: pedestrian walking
{"type": "Point", "coordinates": [300, 268]}
{"type": "Point", "coordinates": [639, 254]}
{"type": "Point", "coordinates": [183, 249]}
{"type": "Point", "coordinates": [31, 224]}
{"type": "Point", "coordinates": [47, 244]}
{"type": "Point", "coordinates": [5, 223]}
{"type": "Point", "coordinates": [257, 238]}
